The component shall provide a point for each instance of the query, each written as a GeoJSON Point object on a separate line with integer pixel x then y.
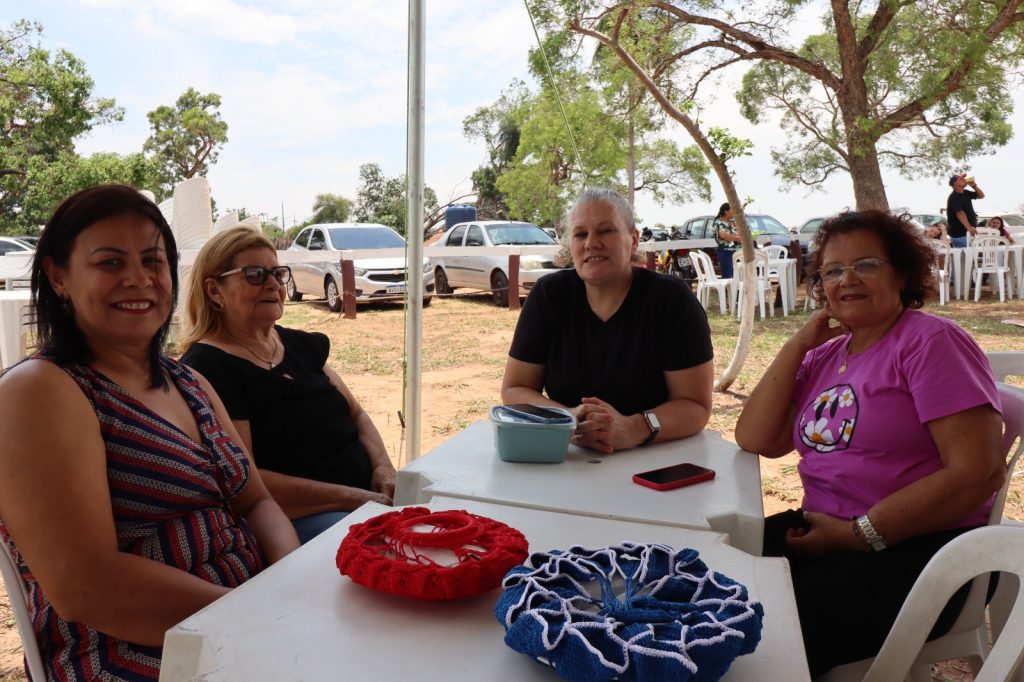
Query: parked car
{"type": "Point", "coordinates": [929, 219]}
{"type": "Point", "coordinates": [489, 272]}
{"type": "Point", "coordinates": [1013, 222]}
{"type": "Point", "coordinates": [763, 228]}
{"type": "Point", "coordinates": [376, 278]}
{"type": "Point", "coordinates": [13, 244]}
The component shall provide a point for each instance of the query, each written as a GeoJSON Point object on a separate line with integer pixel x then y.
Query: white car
{"type": "Point", "coordinates": [1013, 222]}
{"type": "Point", "coordinates": [489, 272]}
{"type": "Point", "coordinates": [376, 278]}
{"type": "Point", "coordinates": [14, 245]}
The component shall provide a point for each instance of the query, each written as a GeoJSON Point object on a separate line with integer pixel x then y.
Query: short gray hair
{"type": "Point", "coordinates": [608, 196]}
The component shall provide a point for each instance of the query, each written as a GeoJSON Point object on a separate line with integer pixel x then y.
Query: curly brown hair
{"type": "Point", "coordinates": [905, 246]}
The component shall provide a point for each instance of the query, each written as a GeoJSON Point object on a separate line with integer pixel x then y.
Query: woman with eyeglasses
{"type": "Point", "coordinates": [125, 498]}
{"type": "Point", "coordinates": [317, 449]}
{"type": "Point", "coordinates": [896, 418]}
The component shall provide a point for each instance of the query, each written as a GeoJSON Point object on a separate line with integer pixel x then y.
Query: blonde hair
{"type": "Point", "coordinates": [202, 319]}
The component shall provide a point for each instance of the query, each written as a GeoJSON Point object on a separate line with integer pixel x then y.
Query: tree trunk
{"type": "Point", "coordinates": [868, 188]}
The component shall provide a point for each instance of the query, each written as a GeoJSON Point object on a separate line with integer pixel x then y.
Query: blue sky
{"type": "Point", "coordinates": [312, 89]}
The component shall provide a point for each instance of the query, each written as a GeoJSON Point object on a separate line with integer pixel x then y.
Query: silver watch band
{"type": "Point", "coordinates": [874, 539]}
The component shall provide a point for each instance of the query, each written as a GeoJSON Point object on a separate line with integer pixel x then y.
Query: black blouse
{"type": "Point", "coordinates": [301, 425]}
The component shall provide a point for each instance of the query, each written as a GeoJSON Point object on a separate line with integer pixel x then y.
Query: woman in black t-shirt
{"type": "Point", "coordinates": [317, 449]}
{"type": "Point", "coordinates": [627, 350]}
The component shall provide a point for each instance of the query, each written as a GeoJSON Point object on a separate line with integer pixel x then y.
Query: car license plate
{"type": "Point", "coordinates": [397, 289]}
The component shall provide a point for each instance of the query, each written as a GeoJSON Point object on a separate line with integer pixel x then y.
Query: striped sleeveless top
{"type": "Point", "coordinates": [170, 499]}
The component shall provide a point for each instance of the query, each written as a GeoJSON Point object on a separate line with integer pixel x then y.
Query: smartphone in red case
{"type": "Point", "coordinates": [675, 476]}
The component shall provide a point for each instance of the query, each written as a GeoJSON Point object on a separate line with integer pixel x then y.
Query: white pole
{"type": "Point", "coordinates": [414, 232]}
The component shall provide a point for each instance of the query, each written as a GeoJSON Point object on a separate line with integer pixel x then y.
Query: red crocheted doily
{"type": "Point", "coordinates": [385, 553]}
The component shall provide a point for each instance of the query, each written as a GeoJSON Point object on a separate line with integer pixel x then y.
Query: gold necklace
{"type": "Point", "coordinates": [270, 362]}
{"type": "Point", "coordinates": [846, 357]}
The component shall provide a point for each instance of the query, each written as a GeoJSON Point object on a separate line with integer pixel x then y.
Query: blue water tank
{"type": "Point", "coordinates": [459, 213]}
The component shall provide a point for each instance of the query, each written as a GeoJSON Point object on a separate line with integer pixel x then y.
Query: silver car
{"type": "Point", "coordinates": [490, 271]}
{"type": "Point", "coordinates": [376, 278]}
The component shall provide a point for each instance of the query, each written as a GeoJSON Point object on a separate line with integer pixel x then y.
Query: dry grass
{"type": "Point", "coordinates": [464, 349]}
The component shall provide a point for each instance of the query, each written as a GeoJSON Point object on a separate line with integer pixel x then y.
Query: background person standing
{"type": "Point", "coordinates": [960, 209]}
{"type": "Point", "coordinates": [725, 236]}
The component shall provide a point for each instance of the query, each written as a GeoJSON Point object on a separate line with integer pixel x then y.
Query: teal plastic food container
{"type": "Point", "coordinates": [518, 440]}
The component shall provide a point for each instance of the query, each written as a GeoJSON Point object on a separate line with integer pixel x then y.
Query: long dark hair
{"type": "Point", "coordinates": [57, 334]}
{"type": "Point", "coordinates": [723, 209]}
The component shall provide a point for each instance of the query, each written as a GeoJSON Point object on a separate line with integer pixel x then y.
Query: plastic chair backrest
{"type": "Point", "coordinates": [987, 251]}
{"type": "Point", "coordinates": [17, 593]}
{"type": "Point", "coordinates": [760, 263]}
{"type": "Point", "coordinates": [986, 231]}
{"type": "Point", "coordinates": [1006, 363]}
{"type": "Point", "coordinates": [705, 268]}
{"type": "Point", "coordinates": [1012, 399]}
{"type": "Point", "coordinates": [976, 552]}
{"type": "Point", "coordinates": [776, 251]}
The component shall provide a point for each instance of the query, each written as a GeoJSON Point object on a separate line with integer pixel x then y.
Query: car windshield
{"type": "Point", "coordinates": [763, 224]}
{"type": "Point", "coordinates": [928, 219]}
{"type": "Point", "coordinates": [811, 226]}
{"type": "Point", "coordinates": [518, 233]}
{"type": "Point", "coordinates": [365, 238]}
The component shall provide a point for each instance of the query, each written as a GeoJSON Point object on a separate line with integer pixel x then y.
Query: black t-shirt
{"type": "Point", "coordinates": [659, 327]}
{"type": "Point", "coordinates": [960, 201]}
{"type": "Point", "coordinates": [301, 424]}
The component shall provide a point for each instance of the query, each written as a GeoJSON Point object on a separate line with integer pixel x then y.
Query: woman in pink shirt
{"type": "Point", "coordinates": [897, 421]}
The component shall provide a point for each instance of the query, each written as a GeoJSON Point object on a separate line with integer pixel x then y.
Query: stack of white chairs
{"type": "Point", "coordinates": [193, 213]}
{"type": "Point", "coordinates": [778, 252]}
{"type": "Point", "coordinates": [229, 219]}
{"type": "Point", "coordinates": [762, 285]}
{"type": "Point", "coordinates": [990, 257]}
{"type": "Point", "coordinates": [708, 279]}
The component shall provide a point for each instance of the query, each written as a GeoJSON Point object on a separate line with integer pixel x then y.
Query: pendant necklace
{"type": "Point", "coordinates": [846, 357]}
{"type": "Point", "coordinates": [270, 362]}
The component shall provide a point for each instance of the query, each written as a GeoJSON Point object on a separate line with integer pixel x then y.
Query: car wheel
{"type": "Point", "coordinates": [499, 288]}
{"type": "Point", "coordinates": [293, 293]}
{"type": "Point", "coordinates": [427, 300]}
{"type": "Point", "coordinates": [333, 295]}
{"type": "Point", "coordinates": [441, 282]}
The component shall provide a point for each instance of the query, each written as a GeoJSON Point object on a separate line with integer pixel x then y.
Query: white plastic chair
{"type": "Point", "coordinates": [763, 285]}
{"type": "Point", "coordinates": [983, 232]}
{"type": "Point", "coordinates": [1006, 363]}
{"type": "Point", "coordinates": [968, 636]}
{"type": "Point", "coordinates": [990, 257]}
{"type": "Point", "coordinates": [707, 280]}
{"type": "Point", "coordinates": [18, 595]}
{"type": "Point", "coordinates": [971, 555]}
{"type": "Point", "coordinates": [943, 270]}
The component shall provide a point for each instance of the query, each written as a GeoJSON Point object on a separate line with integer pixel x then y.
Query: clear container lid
{"type": "Point", "coordinates": [519, 416]}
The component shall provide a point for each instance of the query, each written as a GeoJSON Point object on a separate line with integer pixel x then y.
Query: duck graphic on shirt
{"type": "Point", "coordinates": [827, 422]}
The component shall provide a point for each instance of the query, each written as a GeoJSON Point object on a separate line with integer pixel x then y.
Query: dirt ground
{"type": "Point", "coordinates": [465, 343]}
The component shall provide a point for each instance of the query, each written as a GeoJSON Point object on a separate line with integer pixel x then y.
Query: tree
{"type": "Point", "coordinates": [497, 128]}
{"type": "Point", "coordinates": [893, 82]}
{"type": "Point", "coordinates": [187, 137]}
{"type": "Point", "coordinates": [382, 199]}
{"type": "Point", "coordinates": [331, 208]}
{"type": "Point", "coordinates": [46, 103]}
{"type": "Point", "coordinates": [49, 181]}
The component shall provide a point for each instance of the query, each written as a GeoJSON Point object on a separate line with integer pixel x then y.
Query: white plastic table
{"type": "Point", "coordinates": [301, 620]}
{"type": "Point", "coordinates": [14, 306]}
{"type": "Point", "coordinates": [788, 281]}
{"type": "Point", "coordinates": [593, 484]}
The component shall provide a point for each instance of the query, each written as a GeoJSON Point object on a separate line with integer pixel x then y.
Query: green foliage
{"type": "Point", "coordinates": [331, 208]}
{"type": "Point", "coordinates": [49, 182]}
{"type": "Point", "coordinates": [911, 66]}
{"type": "Point", "coordinates": [46, 103]}
{"type": "Point", "coordinates": [187, 137]}
{"type": "Point", "coordinates": [496, 126]}
{"type": "Point", "coordinates": [382, 199]}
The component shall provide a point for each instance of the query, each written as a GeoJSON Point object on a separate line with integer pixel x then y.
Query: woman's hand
{"type": "Point", "coordinates": [601, 427]}
{"type": "Point", "coordinates": [818, 329]}
{"type": "Point", "coordinates": [827, 534]}
{"type": "Point", "coordinates": [383, 481]}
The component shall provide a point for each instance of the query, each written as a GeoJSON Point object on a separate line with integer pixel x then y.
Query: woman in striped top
{"type": "Point", "coordinates": [124, 496]}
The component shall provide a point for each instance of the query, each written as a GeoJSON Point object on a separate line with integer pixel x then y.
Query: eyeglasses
{"type": "Point", "coordinates": [868, 268]}
{"type": "Point", "coordinates": [256, 275]}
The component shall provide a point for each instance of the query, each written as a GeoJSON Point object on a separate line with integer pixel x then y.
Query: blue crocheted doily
{"type": "Point", "coordinates": [628, 612]}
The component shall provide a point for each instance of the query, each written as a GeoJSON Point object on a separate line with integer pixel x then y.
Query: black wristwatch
{"type": "Point", "coordinates": [653, 424]}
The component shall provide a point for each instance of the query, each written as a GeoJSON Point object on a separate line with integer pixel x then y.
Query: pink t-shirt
{"type": "Point", "coordinates": [862, 434]}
